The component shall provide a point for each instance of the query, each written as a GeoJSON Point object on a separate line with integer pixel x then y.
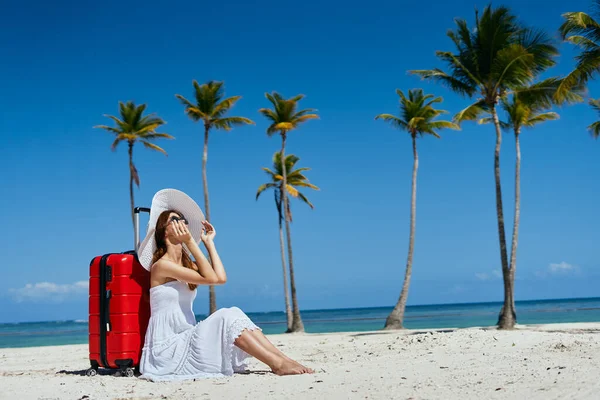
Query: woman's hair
{"type": "Point", "coordinates": [161, 244]}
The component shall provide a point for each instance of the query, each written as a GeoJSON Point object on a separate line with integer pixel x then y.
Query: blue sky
{"type": "Point", "coordinates": [65, 194]}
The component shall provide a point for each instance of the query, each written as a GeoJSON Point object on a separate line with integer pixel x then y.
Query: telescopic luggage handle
{"type": "Point", "coordinates": [136, 225]}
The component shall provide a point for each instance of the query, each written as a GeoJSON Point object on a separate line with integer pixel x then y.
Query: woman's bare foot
{"type": "Point", "coordinates": [305, 370]}
{"type": "Point", "coordinates": [289, 368]}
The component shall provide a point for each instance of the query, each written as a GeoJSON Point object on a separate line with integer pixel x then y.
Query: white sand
{"type": "Point", "coordinates": [536, 362]}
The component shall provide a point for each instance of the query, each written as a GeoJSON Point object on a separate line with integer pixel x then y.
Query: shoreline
{"type": "Point", "coordinates": [536, 361]}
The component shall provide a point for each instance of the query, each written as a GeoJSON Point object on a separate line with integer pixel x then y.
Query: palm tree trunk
{"type": "Point", "coordinates": [297, 325]}
{"type": "Point", "coordinates": [212, 301]}
{"type": "Point", "coordinates": [506, 318]}
{"type": "Point", "coordinates": [286, 291]}
{"type": "Point", "coordinates": [396, 317]}
{"type": "Point", "coordinates": [131, 200]}
{"type": "Point", "coordinates": [515, 237]}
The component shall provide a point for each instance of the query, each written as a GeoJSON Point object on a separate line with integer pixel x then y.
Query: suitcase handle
{"type": "Point", "coordinates": [107, 310]}
{"type": "Point", "coordinates": [136, 225]}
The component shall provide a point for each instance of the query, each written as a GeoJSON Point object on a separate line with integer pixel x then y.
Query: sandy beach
{"type": "Point", "coordinates": [560, 361]}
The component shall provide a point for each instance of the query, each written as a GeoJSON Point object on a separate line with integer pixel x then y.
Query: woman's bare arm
{"type": "Point", "coordinates": [207, 237]}
{"type": "Point", "coordinates": [217, 264]}
{"type": "Point", "coordinates": [204, 267]}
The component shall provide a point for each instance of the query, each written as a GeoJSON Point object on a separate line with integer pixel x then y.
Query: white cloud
{"type": "Point", "coordinates": [484, 276]}
{"type": "Point", "coordinates": [48, 291]}
{"type": "Point", "coordinates": [562, 268]}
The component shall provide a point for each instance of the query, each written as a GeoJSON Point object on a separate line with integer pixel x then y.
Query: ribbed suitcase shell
{"type": "Point", "coordinates": [119, 310]}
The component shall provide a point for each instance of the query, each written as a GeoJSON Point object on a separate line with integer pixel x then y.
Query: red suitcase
{"type": "Point", "coordinates": [119, 309]}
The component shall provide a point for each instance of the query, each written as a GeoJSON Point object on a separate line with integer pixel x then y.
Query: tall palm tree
{"type": "Point", "coordinates": [417, 117]}
{"type": "Point", "coordinates": [211, 108]}
{"type": "Point", "coordinates": [496, 58]}
{"type": "Point", "coordinates": [295, 179]}
{"type": "Point", "coordinates": [582, 30]}
{"type": "Point", "coordinates": [134, 127]}
{"type": "Point", "coordinates": [595, 127]}
{"type": "Point", "coordinates": [522, 111]}
{"type": "Point", "coordinates": [284, 118]}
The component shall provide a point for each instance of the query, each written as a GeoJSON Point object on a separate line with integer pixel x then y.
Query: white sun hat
{"type": "Point", "coordinates": [163, 200]}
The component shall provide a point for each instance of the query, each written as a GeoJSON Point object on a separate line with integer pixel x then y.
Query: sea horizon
{"type": "Point", "coordinates": [499, 302]}
{"type": "Point", "coordinates": [423, 316]}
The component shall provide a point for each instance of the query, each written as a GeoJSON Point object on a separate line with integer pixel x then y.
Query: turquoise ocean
{"type": "Point", "coordinates": [50, 333]}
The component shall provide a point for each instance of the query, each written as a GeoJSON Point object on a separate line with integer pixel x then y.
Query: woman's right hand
{"type": "Point", "coordinates": [182, 232]}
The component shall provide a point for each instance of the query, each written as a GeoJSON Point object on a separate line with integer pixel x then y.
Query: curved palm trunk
{"type": "Point", "coordinates": [396, 317]}
{"type": "Point", "coordinates": [286, 291]}
{"type": "Point", "coordinates": [212, 301]}
{"type": "Point", "coordinates": [506, 319]}
{"type": "Point", "coordinates": [297, 325]}
{"type": "Point", "coordinates": [131, 174]}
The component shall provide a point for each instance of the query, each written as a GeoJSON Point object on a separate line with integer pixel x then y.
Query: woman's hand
{"type": "Point", "coordinates": [208, 232]}
{"type": "Point", "coordinates": [182, 232]}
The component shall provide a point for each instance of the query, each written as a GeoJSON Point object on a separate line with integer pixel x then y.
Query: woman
{"type": "Point", "coordinates": [176, 347]}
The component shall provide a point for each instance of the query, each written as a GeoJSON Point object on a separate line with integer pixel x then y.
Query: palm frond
{"type": "Point", "coordinates": [435, 125]}
{"type": "Point", "coordinates": [304, 199]}
{"type": "Point", "coordinates": [228, 123]}
{"type": "Point", "coordinates": [579, 23]}
{"type": "Point", "coordinates": [305, 118]}
{"type": "Point", "coordinates": [489, 120]}
{"type": "Point", "coordinates": [439, 76]}
{"type": "Point", "coordinates": [595, 129]}
{"type": "Point", "coordinates": [157, 135]}
{"type": "Point", "coordinates": [264, 187]}
{"type": "Point", "coordinates": [152, 146]}
{"type": "Point", "coordinates": [472, 112]}
{"type": "Point", "coordinates": [393, 120]}
{"type": "Point", "coordinates": [114, 145]}
{"type": "Point", "coordinates": [224, 106]}
{"type": "Point", "coordinates": [539, 118]}
{"type": "Point", "coordinates": [108, 128]}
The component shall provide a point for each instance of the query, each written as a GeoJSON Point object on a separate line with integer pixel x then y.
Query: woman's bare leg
{"type": "Point", "coordinates": [278, 364]}
{"type": "Point", "coordinates": [262, 339]}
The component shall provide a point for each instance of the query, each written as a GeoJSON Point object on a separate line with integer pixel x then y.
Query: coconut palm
{"type": "Point", "coordinates": [133, 127]}
{"type": "Point", "coordinates": [582, 30]}
{"type": "Point", "coordinates": [284, 118]}
{"type": "Point", "coordinates": [522, 111]}
{"type": "Point", "coordinates": [417, 118]}
{"type": "Point", "coordinates": [295, 179]}
{"type": "Point", "coordinates": [211, 108]}
{"type": "Point", "coordinates": [497, 57]}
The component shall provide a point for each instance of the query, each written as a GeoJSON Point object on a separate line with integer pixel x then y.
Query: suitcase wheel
{"type": "Point", "coordinates": [93, 370]}
{"type": "Point", "coordinates": [128, 372]}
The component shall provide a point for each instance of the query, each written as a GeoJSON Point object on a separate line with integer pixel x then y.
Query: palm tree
{"type": "Point", "coordinates": [134, 127]}
{"type": "Point", "coordinates": [210, 108]}
{"type": "Point", "coordinates": [295, 179]}
{"type": "Point", "coordinates": [496, 58]}
{"type": "Point", "coordinates": [595, 127]}
{"type": "Point", "coordinates": [522, 111]}
{"type": "Point", "coordinates": [284, 118]}
{"type": "Point", "coordinates": [582, 30]}
{"type": "Point", "coordinates": [417, 117]}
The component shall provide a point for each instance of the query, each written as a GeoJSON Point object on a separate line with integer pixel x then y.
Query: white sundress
{"type": "Point", "coordinates": [178, 348]}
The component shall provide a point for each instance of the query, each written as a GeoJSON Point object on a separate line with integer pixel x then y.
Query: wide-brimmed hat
{"type": "Point", "coordinates": [163, 200]}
